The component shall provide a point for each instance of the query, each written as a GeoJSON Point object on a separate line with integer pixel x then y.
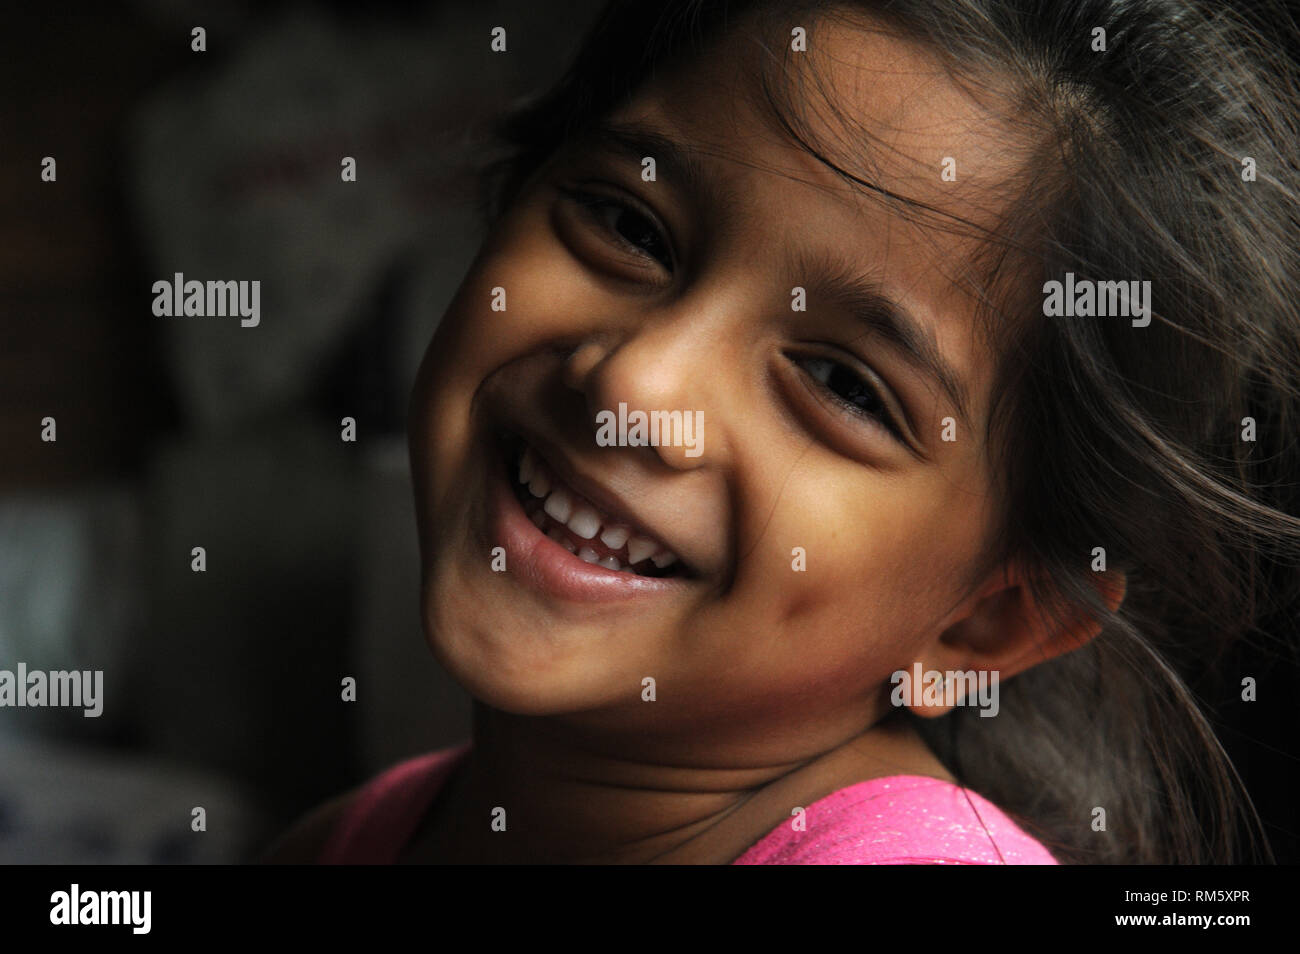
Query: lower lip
{"type": "Point", "coordinates": [543, 564]}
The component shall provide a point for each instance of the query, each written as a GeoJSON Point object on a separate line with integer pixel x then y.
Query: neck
{"type": "Point", "coordinates": [569, 801]}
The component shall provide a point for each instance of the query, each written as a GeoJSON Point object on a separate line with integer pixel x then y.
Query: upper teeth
{"type": "Point", "coordinates": [614, 537]}
{"type": "Point", "coordinates": [565, 507]}
{"type": "Point", "coordinates": [559, 506]}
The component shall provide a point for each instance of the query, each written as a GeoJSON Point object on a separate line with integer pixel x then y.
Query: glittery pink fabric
{"type": "Point", "coordinates": [899, 820]}
{"type": "Point", "coordinates": [903, 819]}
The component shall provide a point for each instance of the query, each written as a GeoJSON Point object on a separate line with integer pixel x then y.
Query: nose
{"type": "Point", "coordinates": [657, 378]}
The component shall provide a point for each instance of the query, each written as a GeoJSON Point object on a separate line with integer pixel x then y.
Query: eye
{"type": "Point", "coordinates": [853, 391]}
{"type": "Point", "coordinates": [626, 223]}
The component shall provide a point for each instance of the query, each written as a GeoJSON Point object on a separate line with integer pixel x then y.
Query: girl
{"type": "Point", "coordinates": [943, 565]}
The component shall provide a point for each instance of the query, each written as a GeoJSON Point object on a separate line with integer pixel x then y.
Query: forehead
{"type": "Point", "coordinates": [870, 100]}
{"type": "Point", "coordinates": [877, 105]}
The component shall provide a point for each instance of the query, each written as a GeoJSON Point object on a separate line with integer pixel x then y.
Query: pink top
{"type": "Point", "coordinates": [900, 820]}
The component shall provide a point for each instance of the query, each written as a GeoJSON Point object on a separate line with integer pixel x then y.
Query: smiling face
{"type": "Point", "coordinates": [823, 428]}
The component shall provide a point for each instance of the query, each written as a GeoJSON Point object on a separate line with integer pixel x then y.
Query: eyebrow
{"type": "Point", "coordinates": [634, 139]}
{"type": "Point", "coordinates": [834, 281]}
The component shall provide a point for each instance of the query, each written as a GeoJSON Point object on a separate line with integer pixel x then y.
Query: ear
{"type": "Point", "coordinates": [1005, 631]}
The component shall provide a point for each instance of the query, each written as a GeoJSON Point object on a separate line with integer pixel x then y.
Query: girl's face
{"type": "Point", "coordinates": [829, 511]}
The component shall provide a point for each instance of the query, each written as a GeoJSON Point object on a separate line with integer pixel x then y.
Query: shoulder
{"type": "Point", "coordinates": [303, 843]}
{"type": "Point", "coordinates": [370, 823]}
{"type": "Point", "coordinates": [901, 819]}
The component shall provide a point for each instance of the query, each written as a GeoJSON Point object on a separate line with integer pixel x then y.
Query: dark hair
{"type": "Point", "coordinates": [1101, 435]}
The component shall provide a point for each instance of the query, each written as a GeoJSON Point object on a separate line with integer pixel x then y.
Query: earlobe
{"type": "Point", "coordinates": [927, 693]}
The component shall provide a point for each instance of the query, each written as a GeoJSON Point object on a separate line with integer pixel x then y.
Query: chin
{"type": "Point", "coordinates": [497, 653]}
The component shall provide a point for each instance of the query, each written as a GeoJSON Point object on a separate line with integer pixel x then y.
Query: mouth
{"type": "Point", "coordinates": [594, 535]}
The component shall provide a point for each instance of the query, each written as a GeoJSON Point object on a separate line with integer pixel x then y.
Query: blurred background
{"type": "Point", "coordinates": [222, 689]}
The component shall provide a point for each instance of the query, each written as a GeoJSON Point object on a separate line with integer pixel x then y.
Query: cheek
{"type": "Point", "coordinates": [850, 577]}
{"type": "Point", "coordinates": [525, 290]}
{"type": "Point", "coordinates": [516, 297]}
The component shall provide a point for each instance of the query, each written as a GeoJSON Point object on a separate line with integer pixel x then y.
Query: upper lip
{"type": "Point", "coordinates": [606, 500]}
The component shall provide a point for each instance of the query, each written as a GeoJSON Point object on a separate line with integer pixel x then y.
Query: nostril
{"type": "Point", "coordinates": [581, 361]}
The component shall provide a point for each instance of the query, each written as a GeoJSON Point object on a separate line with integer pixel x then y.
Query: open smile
{"type": "Point", "coordinates": [562, 541]}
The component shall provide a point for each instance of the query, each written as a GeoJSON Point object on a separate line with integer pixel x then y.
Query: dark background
{"type": "Point", "coordinates": [222, 688]}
